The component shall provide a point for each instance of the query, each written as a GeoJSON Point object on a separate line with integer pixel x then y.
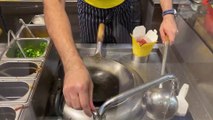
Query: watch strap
{"type": "Point", "coordinates": [171, 11]}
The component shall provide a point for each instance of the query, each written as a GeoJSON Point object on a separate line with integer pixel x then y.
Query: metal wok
{"type": "Point", "coordinates": [110, 78]}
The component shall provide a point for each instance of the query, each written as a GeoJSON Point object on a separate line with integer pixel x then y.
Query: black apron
{"type": "Point", "coordinates": [117, 20]}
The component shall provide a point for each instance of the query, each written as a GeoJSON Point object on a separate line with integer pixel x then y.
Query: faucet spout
{"type": "Point", "coordinates": [141, 88]}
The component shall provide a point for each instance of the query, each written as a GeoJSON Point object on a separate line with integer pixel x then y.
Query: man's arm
{"type": "Point", "coordinates": [59, 30]}
{"type": "Point", "coordinates": [168, 26]}
{"type": "Point", "coordinates": [77, 83]}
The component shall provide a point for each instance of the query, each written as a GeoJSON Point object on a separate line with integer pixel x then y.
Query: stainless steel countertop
{"type": "Point", "coordinates": [150, 70]}
{"type": "Point", "coordinates": [197, 58]}
{"type": "Point", "coordinates": [187, 59]}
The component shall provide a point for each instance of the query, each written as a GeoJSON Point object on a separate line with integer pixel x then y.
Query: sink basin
{"type": "Point", "coordinates": [32, 48]}
{"type": "Point", "coordinates": [19, 69]}
{"type": "Point", "coordinates": [37, 30]}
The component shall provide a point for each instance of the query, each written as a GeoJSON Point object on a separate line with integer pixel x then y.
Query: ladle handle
{"type": "Point", "coordinates": [100, 34]}
{"type": "Point", "coordinates": [165, 52]}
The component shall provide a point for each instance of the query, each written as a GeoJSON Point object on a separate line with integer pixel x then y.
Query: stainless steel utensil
{"type": "Point", "coordinates": [161, 103]}
{"type": "Point", "coordinates": [165, 53]}
{"type": "Point", "coordinates": [135, 90]}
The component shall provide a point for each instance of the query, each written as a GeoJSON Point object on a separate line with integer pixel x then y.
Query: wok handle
{"type": "Point", "coordinates": [100, 34]}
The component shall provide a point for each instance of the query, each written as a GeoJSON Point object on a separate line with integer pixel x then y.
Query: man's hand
{"type": "Point", "coordinates": [78, 89]}
{"type": "Point", "coordinates": [168, 28]}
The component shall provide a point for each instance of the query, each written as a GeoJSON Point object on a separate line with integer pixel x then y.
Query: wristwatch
{"type": "Point", "coordinates": [171, 11]}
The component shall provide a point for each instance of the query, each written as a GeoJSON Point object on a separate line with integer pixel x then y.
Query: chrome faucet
{"type": "Point", "coordinates": [142, 88]}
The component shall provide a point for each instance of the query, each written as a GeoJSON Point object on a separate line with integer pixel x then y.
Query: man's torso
{"type": "Point", "coordinates": [104, 4]}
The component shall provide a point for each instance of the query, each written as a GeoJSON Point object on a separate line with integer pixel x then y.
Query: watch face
{"type": "Point", "coordinates": [175, 12]}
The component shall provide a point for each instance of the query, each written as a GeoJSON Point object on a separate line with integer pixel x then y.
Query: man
{"type": "Point", "coordinates": [78, 86]}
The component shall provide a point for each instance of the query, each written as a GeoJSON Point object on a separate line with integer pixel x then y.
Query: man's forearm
{"type": "Point", "coordinates": [166, 4]}
{"type": "Point", "coordinates": [59, 29]}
